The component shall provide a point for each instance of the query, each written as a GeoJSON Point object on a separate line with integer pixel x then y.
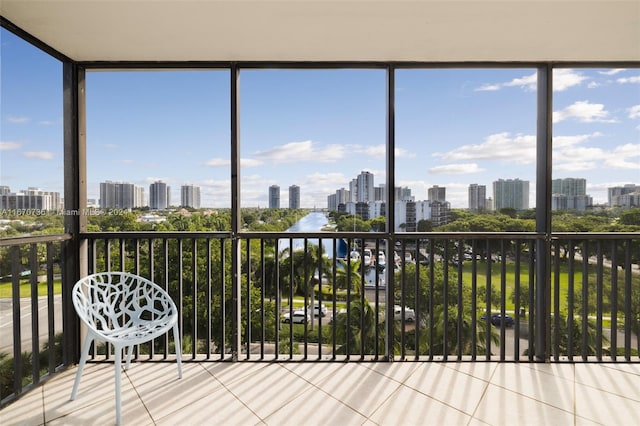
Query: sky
{"type": "Point", "coordinates": [317, 129]}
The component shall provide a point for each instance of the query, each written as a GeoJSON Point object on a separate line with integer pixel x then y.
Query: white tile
{"type": "Point", "coordinates": [359, 387]}
{"type": "Point", "coordinates": [95, 401]}
{"type": "Point", "coordinates": [268, 389]}
{"type": "Point", "coordinates": [398, 371]}
{"type": "Point", "coordinates": [606, 408]}
{"type": "Point", "coordinates": [500, 406]}
{"type": "Point", "coordinates": [453, 388]}
{"type": "Point", "coordinates": [163, 393]}
{"type": "Point", "coordinates": [28, 410]}
{"type": "Point", "coordinates": [535, 384]}
{"type": "Point", "coordinates": [217, 407]}
{"type": "Point", "coordinates": [407, 407]}
{"type": "Point", "coordinates": [315, 408]}
{"type": "Point", "coordinates": [614, 380]}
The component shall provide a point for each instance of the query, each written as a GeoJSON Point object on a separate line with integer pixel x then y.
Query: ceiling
{"type": "Point", "coordinates": [334, 30]}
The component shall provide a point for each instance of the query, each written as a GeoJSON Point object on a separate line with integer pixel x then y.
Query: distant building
{"type": "Point", "coordinates": [274, 197]}
{"type": "Point", "coordinates": [570, 194]}
{"type": "Point", "coordinates": [159, 196]}
{"type": "Point", "coordinates": [294, 197]}
{"type": "Point", "coordinates": [332, 202]}
{"type": "Point", "coordinates": [624, 196]}
{"type": "Point", "coordinates": [119, 195]}
{"type": "Point", "coordinates": [32, 198]}
{"type": "Point", "coordinates": [437, 193]}
{"type": "Point", "coordinates": [190, 196]}
{"type": "Point", "coordinates": [477, 197]}
{"type": "Point", "coordinates": [511, 193]}
{"type": "Point", "coordinates": [365, 191]}
{"type": "Point", "coordinates": [569, 186]}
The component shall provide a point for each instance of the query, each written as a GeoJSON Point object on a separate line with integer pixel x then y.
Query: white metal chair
{"type": "Point", "coordinates": [124, 310]}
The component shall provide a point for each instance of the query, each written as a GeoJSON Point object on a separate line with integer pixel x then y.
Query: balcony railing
{"type": "Point", "coordinates": [344, 296]}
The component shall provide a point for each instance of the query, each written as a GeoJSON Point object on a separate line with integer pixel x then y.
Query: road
{"type": "Point", "coordinates": [6, 322]}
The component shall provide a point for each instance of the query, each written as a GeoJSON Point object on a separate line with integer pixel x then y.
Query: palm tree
{"type": "Point", "coordinates": [356, 329]}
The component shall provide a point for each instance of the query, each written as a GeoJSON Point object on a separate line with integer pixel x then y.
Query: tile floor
{"type": "Point", "coordinates": [401, 393]}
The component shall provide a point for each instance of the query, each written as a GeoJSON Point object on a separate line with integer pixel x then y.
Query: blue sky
{"type": "Point", "coordinates": [317, 129]}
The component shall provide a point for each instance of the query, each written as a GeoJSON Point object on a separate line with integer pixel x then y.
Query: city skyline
{"type": "Point", "coordinates": [453, 127]}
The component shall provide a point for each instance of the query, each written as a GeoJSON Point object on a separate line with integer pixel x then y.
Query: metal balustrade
{"type": "Point", "coordinates": [32, 307]}
{"type": "Point", "coordinates": [429, 297]}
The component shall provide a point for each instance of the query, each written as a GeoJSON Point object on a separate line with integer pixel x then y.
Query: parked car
{"type": "Point", "coordinates": [319, 310]}
{"type": "Point", "coordinates": [299, 317]}
{"type": "Point", "coordinates": [497, 320]}
{"type": "Point", "coordinates": [409, 314]}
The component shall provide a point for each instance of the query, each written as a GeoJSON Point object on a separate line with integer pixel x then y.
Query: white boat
{"type": "Point", "coordinates": [367, 256]}
{"type": "Point", "coordinates": [354, 255]}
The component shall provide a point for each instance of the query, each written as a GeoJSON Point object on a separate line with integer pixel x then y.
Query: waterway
{"type": "Point", "coordinates": [314, 222]}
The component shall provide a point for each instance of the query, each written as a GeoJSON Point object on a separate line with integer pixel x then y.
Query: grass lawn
{"type": "Point", "coordinates": [25, 289]}
{"type": "Point", "coordinates": [562, 284]}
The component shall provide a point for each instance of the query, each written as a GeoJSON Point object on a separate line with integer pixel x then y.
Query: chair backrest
{"type": "Point", "coordinates": [111, 301]}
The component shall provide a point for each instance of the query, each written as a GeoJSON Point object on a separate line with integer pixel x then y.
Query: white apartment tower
{"type": "Point", "coordinates": [159, 196]}
{"type": "Point", "coordinates": [365, 191]}
{"type": "Point", "coordinates": [274, 197]}
{"type": "Point", "coordinates": [477, 197]}
{"type": "Point", "coordinates": [190, 196]}
{"type": "Point", "coordinates": [294, 197]}
{"type": "Point", "coordinates": [511, 193]}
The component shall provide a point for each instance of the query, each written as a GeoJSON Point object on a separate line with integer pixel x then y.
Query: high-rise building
{"type": "Point", "coordinates": [477, 197]}
{"type": "Point", "coordinates": [570, 194]}
{"type": "Point", "coordinates": [624, 196]}
{"type": "Point", "coordinates": [511, 193]}
{"type": "Point", "coordinates": [294, 197]}
{"type": "Point", "coordinates": [365, 191]}
{"type": "Point", "coordinates": [190, 196]}
{"type": "Point", "coordinates": [32, 198]}
{"type": "Point", "coordinates": [274, 197]}
{"type": "Point", "coordinates": [120, 195]}
{"type": "Point", "coordinates": [437, 193]}
{"type": "Point", "coordinates": [159, 196]}
{"type": "Point", "coordinates": [138, 200]}
{"type": "Point", "coordinates": [569, 186]}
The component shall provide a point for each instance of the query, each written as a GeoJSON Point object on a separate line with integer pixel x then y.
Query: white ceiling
{"type": "Point", "coordinates": [333, 30]}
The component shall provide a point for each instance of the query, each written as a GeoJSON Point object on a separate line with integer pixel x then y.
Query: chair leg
{"type": "Point", "coordinates": [176, 338]}
{"type": "Point", "coordinates": [83, 360]}
{"type": "Point", "coordinates": [118, 367]}
{"type": "Point", "coordinates": [129, 353]}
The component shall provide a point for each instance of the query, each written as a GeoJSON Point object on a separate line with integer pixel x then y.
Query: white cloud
{"type": "Point", "coordinates": [575, 166]}
{"type": "Point", "coordinates": [294, 152]}
{"type": "Point", "coordinates": [613, 71]}
{"type": "Point", "coordinates": [634, 111]}
{"type": "Point", "coordinates": [18, 120]}
{"type": "Point", "coordinates": [621, 163]}
{"type": "Point", "coordinates": [567, 141]}
{"type": "Point", "coordinates": [527, 83]}
{"type": "Point", "coordinates": [585, 112]}
{"type": "Point", "coordinates": [9, 145]}
{"type": "Point", "coordinates": [457, 169]}
{"type": "Point", "coordinates": [631, 80]}
{"type": "Point", "coordinates": [519, 149]}
{"type": "Point", "coordinates": [564, 79]}
{"type": "Point", "coordinates": [401, 152]}
{"type": "Point", "coordinates": [46, 123]}
{"type": "Point", "coordinates": [627, 150]}
{"type": "Point", "coordinates": [223, 162]}
{"type": "Point", "coordinates": [42, 155]}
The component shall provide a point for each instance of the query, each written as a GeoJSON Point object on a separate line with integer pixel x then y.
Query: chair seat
{"type": "Point", "coordinates": [138, 333]}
